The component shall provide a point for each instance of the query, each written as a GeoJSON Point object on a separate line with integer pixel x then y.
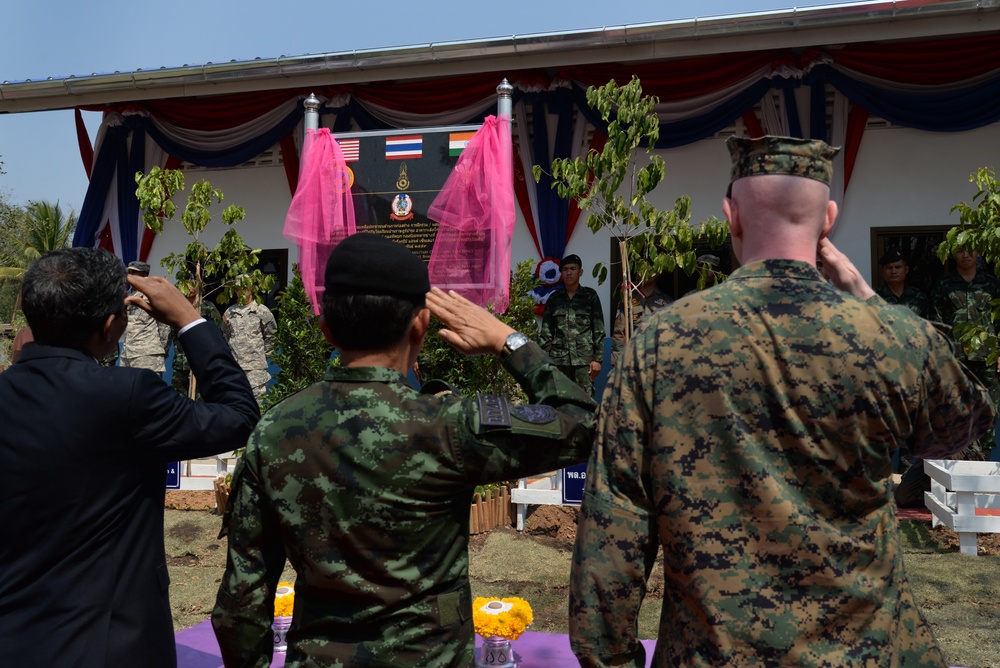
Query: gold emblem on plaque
{"type": "Point", "coordinates": [404, 182]}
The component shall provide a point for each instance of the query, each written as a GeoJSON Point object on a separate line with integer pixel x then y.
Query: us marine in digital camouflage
{"type": "Point", "coordinates": [365, 483]}
{"type": "Point", "coordinates": [749, 430]}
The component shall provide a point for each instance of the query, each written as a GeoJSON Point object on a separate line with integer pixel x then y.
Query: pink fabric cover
{"type": "Point", "coordinates": [321, 214]}
{"type": "Point", "coordinates": [475, 212]}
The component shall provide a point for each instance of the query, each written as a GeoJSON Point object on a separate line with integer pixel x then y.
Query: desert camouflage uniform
{"type": "Point", "coordinates": [572, 333]}
{"type": "Point", "coordinates": [750, 429]}
{"type": "Point", "coordinates": [369, 483]}
{"type": "Point", "coordinates": [250, 331]}
{"type": "Point", "coordinates": [180, 379]}
{"type": "Point", "coordinates": [912, 298]}
{"type": "Point", "coordinates": [641, 305]}
{"type": "Point", "coordinates": [146, 340]}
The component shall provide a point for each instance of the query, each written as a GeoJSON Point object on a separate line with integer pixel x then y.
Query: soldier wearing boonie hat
{"type": "Point", "coordinates": [369, 475]}
{"type": "Point", "coordinates": [744, 433]}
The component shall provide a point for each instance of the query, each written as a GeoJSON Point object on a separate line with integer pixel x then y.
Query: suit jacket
{"type": "Point", "coordinates": [83, 448]}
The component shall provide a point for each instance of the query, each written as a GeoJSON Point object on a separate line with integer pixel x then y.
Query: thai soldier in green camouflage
{"type": "Point", "coordinates": [180, 379]}
{"type": "Point", "coordinates": [146, 340]}
{"type": "Point", "coordinates": [749, 430]}
{"type": "Point", "coordinates": [895, 269]}
{"type": "Point", "coordinates": [645, 299]}
{"type": "Point", "coordinates": [249, 329]}
{"type": "Point", "coordinates": [572, 330]}
{"type": "Point", "coordinates": [365, 484]}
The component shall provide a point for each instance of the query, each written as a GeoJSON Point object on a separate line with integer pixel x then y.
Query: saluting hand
{"type": "Point", "coordinates": [468, 328]}
{"type": "Point", "coordinates": [842, 272]}
{"type": "Point", "coordinates": [166, 303]}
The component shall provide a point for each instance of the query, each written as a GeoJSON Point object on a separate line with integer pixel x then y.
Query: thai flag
{"type": "Point", "coordinates": [401, 147]}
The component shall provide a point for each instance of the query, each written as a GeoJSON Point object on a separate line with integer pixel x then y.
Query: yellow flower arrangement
{"type": "Point", "coordinates": [504, 617]}
{"type": "Point", "coordinates": [284, 599]}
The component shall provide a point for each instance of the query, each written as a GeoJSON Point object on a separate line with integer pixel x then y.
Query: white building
{"type": "Point", "coordinates": [910, 89]}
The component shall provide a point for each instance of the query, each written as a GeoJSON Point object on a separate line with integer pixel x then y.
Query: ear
{"type": "Point", "coordinates": [418, 328]}
{"type": "Point", "coordinates": [732, 215]}
{"type": "Point", "coordinates": [107, 330]}
{"type": "Point", "coordinates": [830, 220]}
{"type": "Point", "coordinates": [323, 327]}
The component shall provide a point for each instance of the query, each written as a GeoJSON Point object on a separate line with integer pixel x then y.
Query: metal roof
{"type": "Point", "coordinates": [796, 27]}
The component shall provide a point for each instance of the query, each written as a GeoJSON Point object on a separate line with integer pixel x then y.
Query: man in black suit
{"type": "Point", "coordinates": [83, 575]}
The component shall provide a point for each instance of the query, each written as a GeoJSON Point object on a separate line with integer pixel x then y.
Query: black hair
{"type": "Point", "coordinates": [68, 294]}
{"type": "Point", "coordinates": [368, 322]}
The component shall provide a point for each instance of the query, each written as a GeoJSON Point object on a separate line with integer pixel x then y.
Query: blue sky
{"type": "Point", "coordinates": [61, 37]}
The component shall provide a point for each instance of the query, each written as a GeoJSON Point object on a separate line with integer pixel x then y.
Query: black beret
{"type": "Point", "coordinates": [892, 255]}
{"type": "Point", "coordinates": [369, 264]}
{"type": "Point", "coordinates": [571, 259]}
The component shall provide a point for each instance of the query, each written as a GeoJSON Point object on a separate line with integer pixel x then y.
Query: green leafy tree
{"type": "Point", "coordinates": [302, 353]}
{"type": "Point", "coordinates": [979, 229]}
{"type": "Point", "coordinates": [231, 263]}
{"type": "Point", "coordinates": [470, 375]}
{"type": "Point", "coordinates": [27, 234]}
{"type": "Point", "coordinates": [613, 187]}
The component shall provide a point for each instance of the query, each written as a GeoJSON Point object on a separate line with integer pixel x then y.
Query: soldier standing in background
{"type": "Point", "coordinates": [572, 331]}
{"type": "Point", "coordinates": [645, 300]}
{"type": "Point", "coordinates": [895, 269]}
{"type": "Point", "coordinates": [249, 329]}
{"type": "Point", "coordinates": [364, 483]}
{"type": "Point", "coordinates": [146, 340]}
{"type": "Point", "coordinates": [180, 378]}
{"type": "Point", "coordinates": [749, 430]}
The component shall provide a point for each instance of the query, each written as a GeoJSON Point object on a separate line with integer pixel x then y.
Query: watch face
{"type": "Point", "coordinates": [516, 340]}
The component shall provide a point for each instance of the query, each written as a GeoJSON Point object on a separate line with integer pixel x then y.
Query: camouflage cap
{"type": "Point", "coordinates": [708, 259]}
{"type": "Point", "coordinates": [141, 267]}
{"type": "Point", "coordinates": [809, 158]}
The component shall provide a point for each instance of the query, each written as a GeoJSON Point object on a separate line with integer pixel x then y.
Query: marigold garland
{"type": "Point", "coordinates": [284, 599]}
{"type": "Point", "coordinates": [510, 622]}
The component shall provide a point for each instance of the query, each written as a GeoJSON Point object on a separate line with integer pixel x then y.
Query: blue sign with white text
{"type": "Point", "coordinates": [173, 475]}
{"type": "Point", "coordinates": [574, 478]}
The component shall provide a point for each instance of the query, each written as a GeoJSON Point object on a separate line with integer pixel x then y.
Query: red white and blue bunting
{"type": "Point", "coordinates": [946, 85]}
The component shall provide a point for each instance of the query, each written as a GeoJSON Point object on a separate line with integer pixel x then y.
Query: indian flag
{"type": "Point", "coordinates": [457, 142]}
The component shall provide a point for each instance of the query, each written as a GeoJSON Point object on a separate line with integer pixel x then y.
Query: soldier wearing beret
{"type": "Point", "coordinates": [146, 340]}
{"type": "Point", "coordinates": [572, 330]}
{"type": "Point", "coordinates": [364, 483]}
{"type": "Point", "coordinates": [895, 269]}
{"type": "Point", "coordinates": [749, 431]}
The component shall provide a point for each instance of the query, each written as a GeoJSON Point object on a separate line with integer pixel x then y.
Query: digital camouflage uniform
{"type": "Point", "coordinates": [180, 378]}
{"type": "Point", "coordinates": [369, 481]}
{"type": "Point", "coordinates": [572, 333]}
{"type": "Point", "coordinates": [750, 429]}
{"type": "Point", "coordinates": [912, 298]}
{"type": "Point", "coordinates": [146, 340]}
{"type": "Point", "coordinates": [249, 329]}
{"type": "Point", "coordinates": [642, 305]}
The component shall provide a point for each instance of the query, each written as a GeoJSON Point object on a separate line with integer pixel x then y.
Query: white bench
{"type": "Point", "coordinates": [958, 488]}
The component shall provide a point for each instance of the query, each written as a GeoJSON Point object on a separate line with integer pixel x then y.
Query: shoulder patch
{"type": "Point", "coordinates": [534, 414]}
{"type": "Point", "coordinates": [493, 410]}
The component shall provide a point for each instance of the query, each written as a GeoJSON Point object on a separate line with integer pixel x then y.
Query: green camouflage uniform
{"type": "Point", "coordinates": [641, 305]}
{"type": "Point", "coordinates": [913, 299]}
{"type": "Point", "coordinates": [956, 300]}
{"type": "Point", "coordinates": [365, 485]}
{"type": "Point", "coordinates": [146, 340]}
{"type": "Point", "coordinates": [750, 429]}
{"type": "Point", "coordinates": [249, 330]}
{"type": "Point", "coordinates": [181, 375]}
{"type": "Point", "coordinates": [572, 333]}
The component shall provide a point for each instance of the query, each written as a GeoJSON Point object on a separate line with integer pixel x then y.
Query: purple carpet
{"type": "Point", "coordinates": [197, 648]}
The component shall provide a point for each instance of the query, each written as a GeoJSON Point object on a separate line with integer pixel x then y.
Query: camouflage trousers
{"type": "Point", "coordinates": [579, 375]}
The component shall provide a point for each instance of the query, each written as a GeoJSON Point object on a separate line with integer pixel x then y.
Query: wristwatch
{"type": "Point", "coordinates": [514, 341]}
